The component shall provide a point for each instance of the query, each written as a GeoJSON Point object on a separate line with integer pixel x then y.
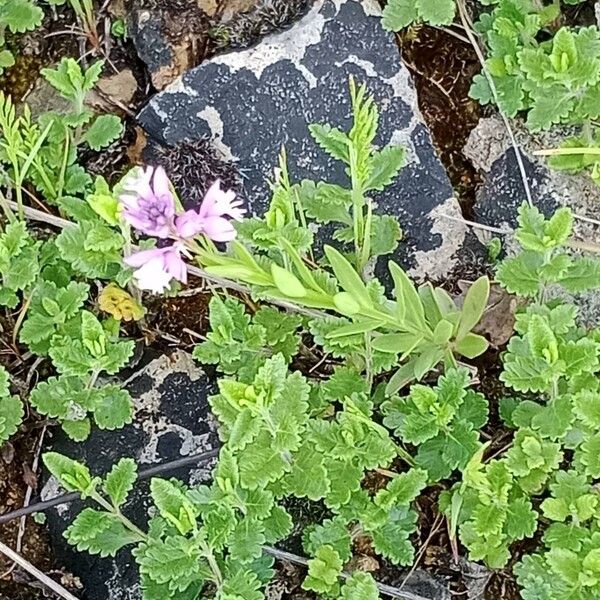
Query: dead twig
{"type": "Point", "coordinates": [52, 585]}
{"type": "Point", "coordinates": [386, 590]}
{"type": "Point", "coordinates": [439, 520]}
{"type": "Point", "coordinates": [468, 25]}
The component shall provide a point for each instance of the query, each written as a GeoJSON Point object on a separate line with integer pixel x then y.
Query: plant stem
{"type": "Point", "coordinates": [588, 132]}
{"type": "Point", "coordinates": [405, 456]}
{"type": "Point", "coordinates": [18, 191]}
{"type": "Point", "coordinates": [358, 204]}
{"type": "Point", "coordinates": [21, 317]}
{"type": "Point", "coordinates": [93, 379]}
{"type": "Point", "coordinates": [212, 562]}
{"type": "Point", "coordinates": [368, 360]}
{"type": "Point", "coordinates": [366, 248]}
{"type": "Point", "coordinates": [115, 511]}
{"type": "Point", "coordinates": [63, 166]}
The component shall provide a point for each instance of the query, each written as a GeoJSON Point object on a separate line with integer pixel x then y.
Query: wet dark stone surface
{"type": "Point", "coordinates": [503, 190]}
{"type": "Point", "coordinates": [251, 103]}
{"type": "Point", "coordinates": [172, 421]}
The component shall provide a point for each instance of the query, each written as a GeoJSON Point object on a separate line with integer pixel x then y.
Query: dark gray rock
{"type": "Point", "coordinates": [172, 36]}
{"type": "Point", "coordinates": [169, 36]}
{"type": "Point", "coordinates": [503, 190]}
{"type": "Point", "coordinates": [173, 420]}
{"type": "Point", "coordinates": [252, 102]}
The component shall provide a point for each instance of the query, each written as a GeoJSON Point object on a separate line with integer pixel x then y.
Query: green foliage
{"type": "Point", "coordinates": [19, 262]}
{"type": "Point", "coordinates": [360, 586]}
{"type": "Point", "coordinates": [119, 481]}
{"type": "Point", "coordinates": [11, 409]}
{"type": "Point", "coordinates": [103, 131]}
{"type": "Point", "coordinates": [318, 435]}
{"type": "Point", "coordinates": [557, 362]}
{"type": "Point", "coordinates": [442, 421]}
{"type": "Point", "coordinates": [20, 16]}
{"type": "Point", "coordinates": [239, 343]}
{"type": "Point", "coordinates": [324, 571]}
{"type": "Point", "coordinates": [73, 84]}
{"type": "Point", "coordinates": [72, 475]}
{"type": "Point", "coordinates": [70, 400]}
{"type": "Point", "coordinates": [577, 154]}
{"type": "Point", "coordinates": [350, 211]}
{"type": "Point", "coordinates": [206, 534]}
{"type": "Point", "coordinates": [541, 360]}
{"type": "Point", "coordinates": [423, 327]}
{"type": "Point", "coordinates": [98, 532]}
{"type": "Point", "coordinates": [543, 260]}
{"type": "Point", "coordinates": [53, 310]}
{"type": "Point", "coordinates": [569, 567]}
{"type": "Point", "coordinates": [44, 151]}
{"type": "Point", "coordinates": [56, 325]}
{"type": "Point", "coordinates": [93, 248]}
{"type": "Point", "coordinates": [491, 510]}
{"type": "Point", "coordinates": [94, 350]}
{"type": "Point", "coordinates": [16, 16]}
{"type": "Point", "coordinates": [554, 79]}
{"type": "Point", "coordinates": [398, 14]}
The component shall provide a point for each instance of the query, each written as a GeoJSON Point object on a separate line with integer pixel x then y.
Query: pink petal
{"type": "Point", "coordinates": [160, 183]}
{"type": "Point", "coordinates": [210, 199]}
{"type": "Point", "coordinates": [189, 224]}
{"type": "Point", "coordinates": [219, 229]}
{"type": "Point", "coordinates": [139, 259]}
{"type": "Point", "coordinates": [139, 183]}
{"type": "Point", "coordinates": [219, 203]}
{"type": "Point", "coordinates": [153, 277]}
{"type": "Point", "coordinates": [175, 265]}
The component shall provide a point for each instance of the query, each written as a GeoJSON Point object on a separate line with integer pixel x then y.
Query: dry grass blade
{"type": "Point", "coordinates": [468, 25]}
{"type": "Point", "coordinates": [52, 585]}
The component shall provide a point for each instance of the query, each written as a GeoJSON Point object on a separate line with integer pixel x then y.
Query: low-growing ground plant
{"type": "Point", "coordinates": [286, 435]}
{"type": "Point", "coordinates": [16, 16]}
{"type": "Point", "coordinates": [396, 412]}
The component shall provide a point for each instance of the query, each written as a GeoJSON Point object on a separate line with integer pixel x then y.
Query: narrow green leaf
{"type": "Point", "coordinates": [348, 278]}
{"type": "Point", "coordinates": [474, 306]}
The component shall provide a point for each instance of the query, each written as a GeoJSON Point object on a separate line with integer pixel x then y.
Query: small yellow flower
{"type": "Point", "coordinates": [120, 304]}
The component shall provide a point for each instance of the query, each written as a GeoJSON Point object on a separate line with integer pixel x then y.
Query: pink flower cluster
{"type": "Point", "coordinates": [149, 206]}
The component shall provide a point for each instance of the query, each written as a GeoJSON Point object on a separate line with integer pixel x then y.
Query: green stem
{"type": "Point", "coordinates": [18, 190]}
{"type": "Point", "coordinates": [93, 378]}
{"type": "Point", "coordinates": [405, 456]}
{"type": "Point", "coordinates": [358, 203]}
{"type": "Point", "coordinates": [21, 317]}
{"type": "Point", "coordinates": [212, 562]}
{"type": "Point", "coordinates": [63, 167]}
{"type": "Point", "coordinates": [366, 248]}
{"type": "Point", "coordinates": [303, 221]}
{"type": "Point", "coordinates": [588, 132]}
{"type": "Point", "coordinates": [368, 360]}
{"type": "Point", "coordinates": [115, 511]}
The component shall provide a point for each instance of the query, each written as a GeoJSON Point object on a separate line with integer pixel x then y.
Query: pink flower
{"type": "Point", "coordinates": [217, 203]}
{"type": "Point", "coordinates": [149, 204]}
{"type": "Point", "coordinates": [209, 219]}
{"type": "Point", "coordinates": [156, 268]}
